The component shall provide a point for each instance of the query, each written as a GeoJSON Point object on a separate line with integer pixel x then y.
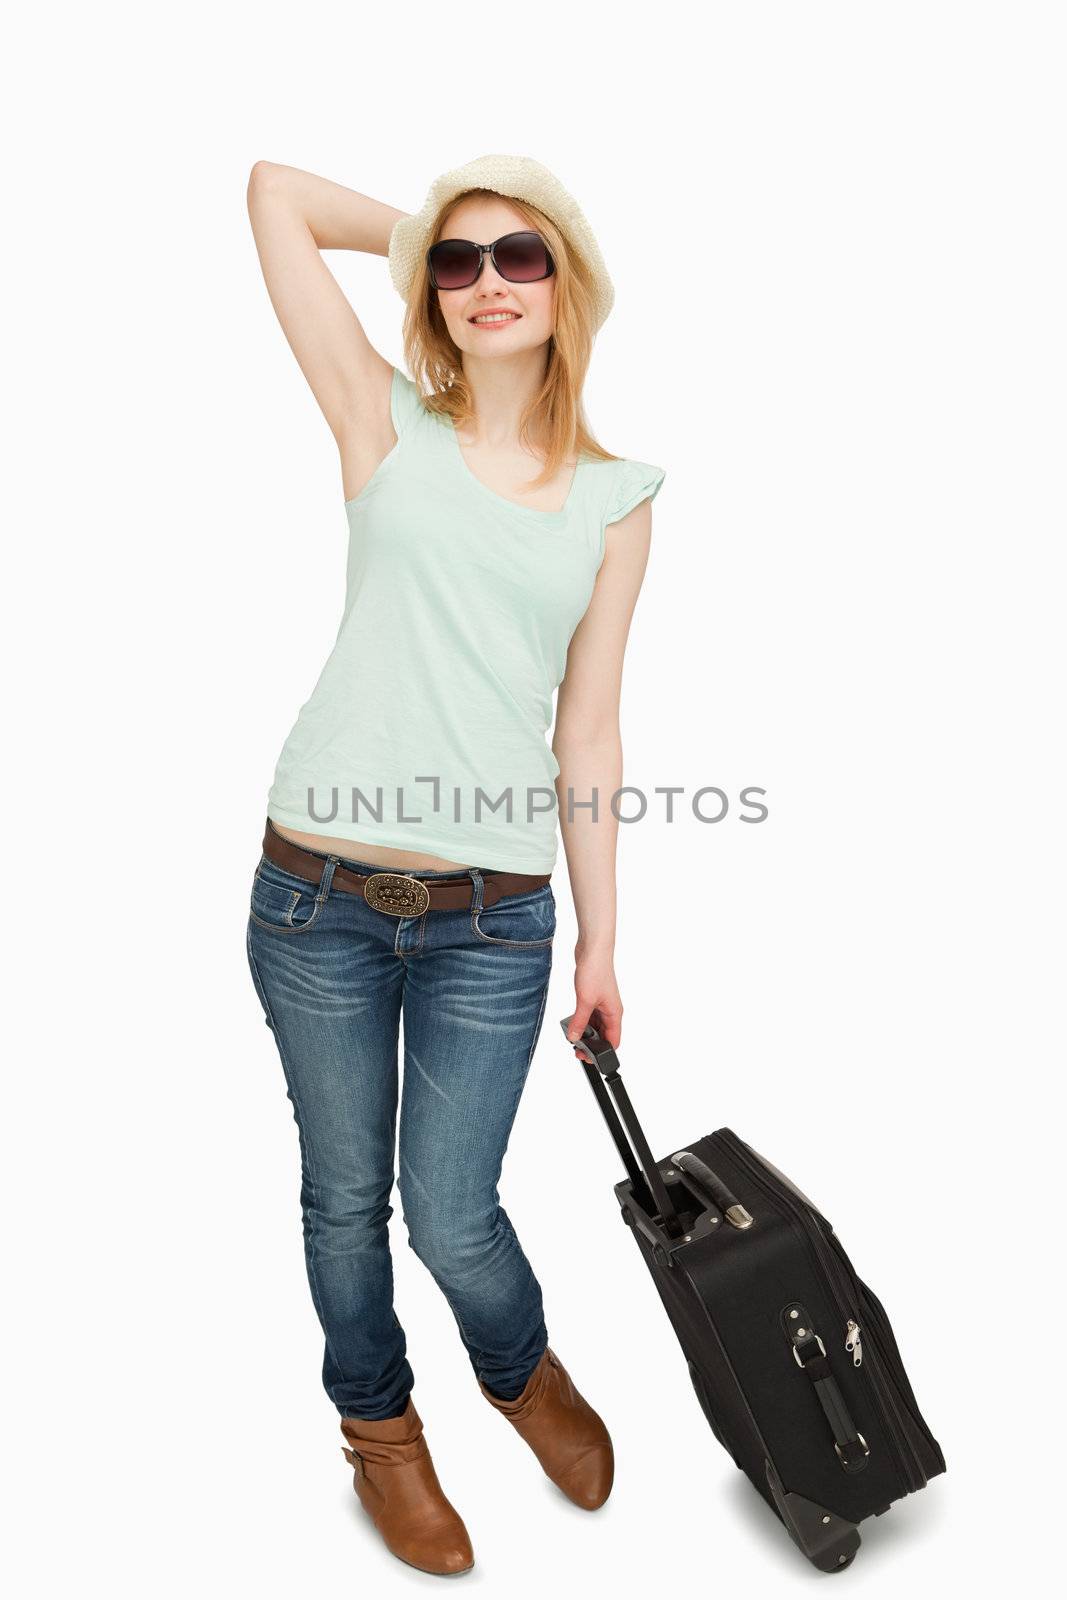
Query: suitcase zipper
{"type": "Point", "coordinates": [843, 1294]}
{"type": "Point", "coordinates": [853, 1342]}
{"type": "Point", "coordinates": [891, 1408]}
{"type": "Point", "coordinates": [886, 1344]}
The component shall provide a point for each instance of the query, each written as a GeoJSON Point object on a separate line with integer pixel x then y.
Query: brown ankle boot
{"type": "Point", "coordinates": [398, 1486]}
{"type": "Point", "coordinates": [563, 1431]}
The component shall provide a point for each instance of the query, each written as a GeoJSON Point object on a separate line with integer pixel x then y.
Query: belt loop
{"type": "Point", "coordinates": [479, 890]}
{"type": "Point", "coordinates": [326, 880]}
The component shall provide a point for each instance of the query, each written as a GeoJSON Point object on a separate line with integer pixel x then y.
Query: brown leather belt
{"type": "Point", "coordinates": [399, 894]}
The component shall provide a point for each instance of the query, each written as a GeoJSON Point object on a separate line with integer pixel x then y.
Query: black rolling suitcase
{"type": "Point", "coordinates": [791, 1354]}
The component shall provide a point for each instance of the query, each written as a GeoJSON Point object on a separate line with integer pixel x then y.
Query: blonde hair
{"type": "Point", "coordinates": [555, 414]}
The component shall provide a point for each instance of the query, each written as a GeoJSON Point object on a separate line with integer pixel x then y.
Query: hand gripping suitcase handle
{"type": "Point", "coordinates": [592, 1047]}
{"type": "Point", "coordinates": [599, 1060]}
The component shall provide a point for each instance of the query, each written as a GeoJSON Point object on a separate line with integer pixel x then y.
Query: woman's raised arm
{"type": "Point", "coordinates": [294, 216]}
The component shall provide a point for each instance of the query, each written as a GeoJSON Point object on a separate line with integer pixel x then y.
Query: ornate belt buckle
{"type": "Point", "coordinates": [396, 894]}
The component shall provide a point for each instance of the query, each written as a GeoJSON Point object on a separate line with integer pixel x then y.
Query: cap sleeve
{"type": "Point", "coordinates": [634, 481]}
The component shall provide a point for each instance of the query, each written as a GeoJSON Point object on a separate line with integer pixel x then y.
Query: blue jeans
{"type": "Point", "coordinates": [334, 976]}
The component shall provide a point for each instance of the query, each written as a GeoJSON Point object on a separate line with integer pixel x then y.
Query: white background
{"type": "Point", "coordinates": [837, 238]}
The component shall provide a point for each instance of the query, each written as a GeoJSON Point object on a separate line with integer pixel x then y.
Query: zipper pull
{"type": "Point", "coordinates": [852, 1342]}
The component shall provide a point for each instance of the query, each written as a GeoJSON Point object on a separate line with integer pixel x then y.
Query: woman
{"type": "Point", "coordinates": [496, 552]}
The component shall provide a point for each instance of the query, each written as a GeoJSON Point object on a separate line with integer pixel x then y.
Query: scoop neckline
{"type": "Point", "coordinates": [502, 499]}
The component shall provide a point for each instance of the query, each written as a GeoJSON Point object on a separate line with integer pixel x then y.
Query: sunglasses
{"type": "Point", "coordinates": [517, 257]}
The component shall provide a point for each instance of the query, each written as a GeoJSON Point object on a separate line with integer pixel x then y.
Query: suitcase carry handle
{"type": "Point", "coordinates": [600, 1061]}
{"type": "Point", "coordinates": [714, 1188]}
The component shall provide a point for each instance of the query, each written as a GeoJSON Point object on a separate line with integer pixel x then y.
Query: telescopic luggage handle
{"type": "Point", "coordinates": [600, 1061]}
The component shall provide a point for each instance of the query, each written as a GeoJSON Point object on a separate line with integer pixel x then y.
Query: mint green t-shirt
{"type": "Point", "coordinates": [427, 727]}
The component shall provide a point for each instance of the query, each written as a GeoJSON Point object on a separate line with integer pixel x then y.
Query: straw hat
{"type": "Point", "coordinates": [521, 178]}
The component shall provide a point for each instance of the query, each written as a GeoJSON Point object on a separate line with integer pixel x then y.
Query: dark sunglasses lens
{"type": "Point", "coordinates": [455, 263]}
{"type": "Point", "coordinates": [522, 258]}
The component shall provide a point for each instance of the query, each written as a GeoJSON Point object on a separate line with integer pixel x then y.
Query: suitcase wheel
{"type": "Point", "coordinates": [829, 1542]}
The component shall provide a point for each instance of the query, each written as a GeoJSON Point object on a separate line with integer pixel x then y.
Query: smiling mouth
{"type": "Point", "coordinates": [488, 319]}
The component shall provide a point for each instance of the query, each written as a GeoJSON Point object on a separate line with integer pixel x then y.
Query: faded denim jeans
{"type": "Point", "coordinates": [334, 976]}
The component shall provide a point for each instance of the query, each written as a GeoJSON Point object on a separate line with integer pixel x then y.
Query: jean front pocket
{"type": "Point", "coordinates": [524, 919]}
{"type": "Point", "coordinates": [282, 902]}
